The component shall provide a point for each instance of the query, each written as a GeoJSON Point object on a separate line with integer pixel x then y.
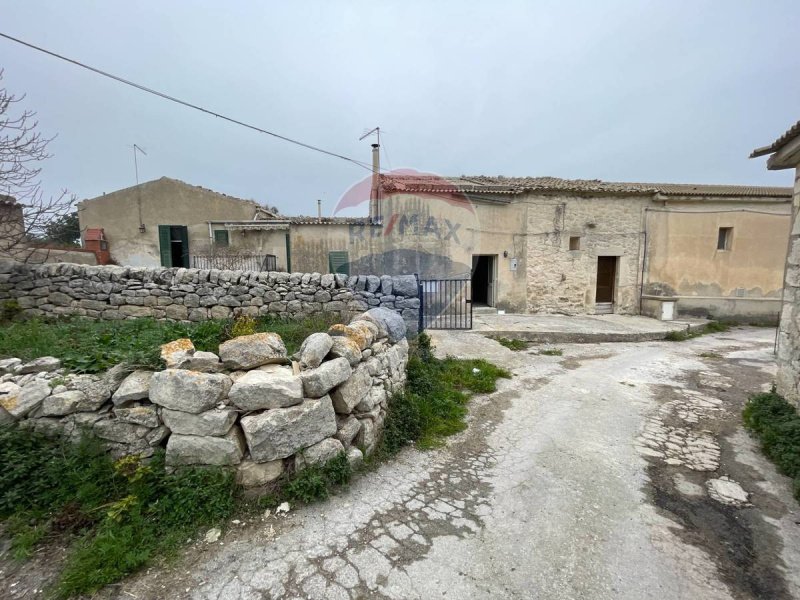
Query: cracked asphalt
{"type": "Point", "coordinates": [584, 476]}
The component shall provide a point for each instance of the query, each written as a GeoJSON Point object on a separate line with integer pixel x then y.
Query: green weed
{"type": "Point", "coordinates": [710, 327]}
{"type": "Point", "coordinates": [777, 425]}
{"type": "Point", "coordinates": [551, 352]}
{"type": "Point", "coordinates": [314, 483]}
{"type": "Point", "coordinates": [513, 344]}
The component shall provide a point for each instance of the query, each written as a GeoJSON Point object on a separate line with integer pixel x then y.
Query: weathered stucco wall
{"type": "Point", "coordinates": [106, 292]}
{"type": "Point", "coordinates": [250, 406]}
{"type": "Point", "coordinates": [561, 280]}
{"type": "Point", "coordinates": [162, 202]}
{"type": "Point", "coordinates": [743, 281]}
{"type": "Point", "coordinates": [788, 378]}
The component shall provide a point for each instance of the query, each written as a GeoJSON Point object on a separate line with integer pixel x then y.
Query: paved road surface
{"type": "Point", "coordinates": [582, 477]}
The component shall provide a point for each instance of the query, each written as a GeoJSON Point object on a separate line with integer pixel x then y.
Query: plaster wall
{"type": "Point", "coordinates": [788, 358]}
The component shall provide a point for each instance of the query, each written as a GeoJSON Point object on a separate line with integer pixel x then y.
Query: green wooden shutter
{"type": "Point", "coordinates": [183, 234]}
{"type": "Point", "coordinates": [164, 245]}
{"type": "Point", "coordinates": [339, 262]}
{"type": "Point", "coordinates": [221, 237]}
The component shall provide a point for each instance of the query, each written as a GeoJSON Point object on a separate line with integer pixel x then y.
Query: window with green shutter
{"type": "Point", "coordinates": [339, 262]}
{"type": "Point", "coordinates": [221, 238]}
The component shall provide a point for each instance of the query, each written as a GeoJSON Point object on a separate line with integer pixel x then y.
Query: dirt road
{"type": "Point", "coordinates": [612, 471]}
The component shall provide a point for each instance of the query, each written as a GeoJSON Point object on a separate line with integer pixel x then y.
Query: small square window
{"type": "Point", "coordinates": [724, 238]}
{"type": "Point", "coordinates": [221, 238]}
{"type": "Point", "coordinates": [575, 243]}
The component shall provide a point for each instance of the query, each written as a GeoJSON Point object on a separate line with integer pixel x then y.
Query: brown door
{"type": "Point", "coordinates": [606, 276]}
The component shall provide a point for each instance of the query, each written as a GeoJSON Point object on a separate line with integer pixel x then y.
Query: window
{"type": "Point", "coordinates": [339, 262]}
{"type": "Point", "coordinates": [221, 238]}
{"type": "Point", "coordinates": [724, 238]}
{"type": "Point", "coordinates": [575, 243]}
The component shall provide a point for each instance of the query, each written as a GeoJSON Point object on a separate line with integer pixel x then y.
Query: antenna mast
{"type": "Point", "coordinates": [375, 192]}
{"type": "Point", "coordinates": [136, 148]}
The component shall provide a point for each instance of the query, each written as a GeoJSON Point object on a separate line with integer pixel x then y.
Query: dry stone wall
{"type": "Point", "coordinates": [111, 292]}
{"type": "Point", "coordinates": [249, 406]}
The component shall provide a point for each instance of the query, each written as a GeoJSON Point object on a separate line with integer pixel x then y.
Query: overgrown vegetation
{"type": "Point", "coordinates": [710, 327]}
{"type": "Point", "coordinates": [777, 425]}
{"type": "Point", "coordinates": [88, 346]}
{"type": "Point", "coordinates": [434, 403]}
{"type": "Point", "coordinates": [117, 515]}
{"type": "Point", "coordinates": [513, 344]}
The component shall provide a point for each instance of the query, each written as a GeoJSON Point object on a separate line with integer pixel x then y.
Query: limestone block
{"type": "Point", "coordinates": [145, 415]}
{"type": "Point", "coordinates": [214, 422]}
{"type": "Point", "coordinates": [355, 457]}
{"type": "Point", "coordinates": [346, 348]}
{"type": "Point", "coordinates": [177, 352]}
{"type": "Point", "coordinates": [389, 320]}
{"type": "Point", "coordinates": [189, 391]}
{"type": "Point", "coordinates": [405, 285]}
{"type": "Point", "coordinates": [205, 450]}
{"type": "Point", "coordinates": [9, 365]}
{"type": "Point", "coordinates": [62, 404]}
{"type": "Point", "coordinates": [119, 431]}
{"type": "Point", "coordinates": [250, 351]}
{"type": "Point", "coordinates": [206, 362]}
{"type": "Point", "coordinates": [19, 401]}
{"type": "Point", "coordinates": [256, 390]}
{"type": "Point", "coordinates": [135, 386]}
{"type": "Point", "coordinates": [251, 474]}
{"type": "Point", "coordinates": [351, 392]}
{"type": "Point", "coordinates": [318, 454]}
{"type": "Point", "coordinates": [281, 432]}
{"type": "Point", "coordinates": [348, 429]}
{"type": "Point", "coordinates": [314, 349]}
{"type": "Point", "coordinates": [45, 364]}
{"type": "Point", "coordinates": [318, 382]}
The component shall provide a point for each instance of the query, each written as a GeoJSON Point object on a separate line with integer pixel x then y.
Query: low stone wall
{"type": "Point", "coordinates": [110, 292]}
{"type": "Point", "coordinates": [250, 406]}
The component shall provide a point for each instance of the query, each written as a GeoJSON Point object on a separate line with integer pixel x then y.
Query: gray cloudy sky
{"type": "Point", "coordinates": [676, 91]}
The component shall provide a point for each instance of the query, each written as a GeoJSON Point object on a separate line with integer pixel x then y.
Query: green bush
{"type": "Point", "coordinates": [513, 344]}
{"type": "Point", "coordinates": [777, 425]}
{"type": "Point", "coordinates": [314, 482]}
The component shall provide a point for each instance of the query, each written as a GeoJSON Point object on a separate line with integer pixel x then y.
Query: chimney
{"type": "Point", "coordinates": [319, 208]}
{"type": "Point", "coordinates": [374, 198]}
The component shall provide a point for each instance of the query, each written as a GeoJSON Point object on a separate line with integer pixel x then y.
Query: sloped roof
{"type": "Point", "coordinates": [790, 134]}
{"type": "Point", "coordinates": [517, 185]}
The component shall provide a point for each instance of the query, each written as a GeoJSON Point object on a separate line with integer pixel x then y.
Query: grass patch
{"type": "Point", "coordinates": [434, 403]}
{"type": "Point", "coordinates": [117, 515]}
{"type": "Point", "coordinates": [714, 355]}
{"type": "Point", "coordinates": [777, 425]}
{"type": "Point", "coordinates": [551, 352]}
{"type": "Point", "coordinates": [87, 346]}
{"type": "Point", "coordinates": [513, 344]}
{"type": "Point", "coordinates": [710, 327]}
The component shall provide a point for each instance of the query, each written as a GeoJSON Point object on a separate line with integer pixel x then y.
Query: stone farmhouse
{"type": "Point", "coordinates": [784, 153]}
{"type": "Point", "coordinates": [534, 244]}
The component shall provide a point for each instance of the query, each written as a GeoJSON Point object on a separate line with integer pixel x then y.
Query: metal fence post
{"type": "Point", "coordinates": [421, 324]}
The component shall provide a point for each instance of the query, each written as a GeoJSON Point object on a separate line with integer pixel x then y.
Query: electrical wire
{"type": "Point", "coordinates": [185, 103]}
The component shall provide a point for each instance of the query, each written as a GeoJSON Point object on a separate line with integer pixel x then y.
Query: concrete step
{"type": "Point", "coordinates": [483, 310]}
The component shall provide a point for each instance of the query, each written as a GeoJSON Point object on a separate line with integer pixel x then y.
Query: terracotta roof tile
{"type": "Point", "coordinates": [790, 134]}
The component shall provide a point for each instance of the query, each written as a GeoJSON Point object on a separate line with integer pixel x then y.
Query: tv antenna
{"type": "Point", "coordinates": [367, 133]}
{"type": "Point", "coordinates": [135, 161]}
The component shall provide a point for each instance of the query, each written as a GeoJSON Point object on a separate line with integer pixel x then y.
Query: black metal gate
{"type": "Point", "coordinates": [445, 304]}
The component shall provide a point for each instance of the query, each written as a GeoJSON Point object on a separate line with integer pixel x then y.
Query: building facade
{"type": "Point", "coordinates": [784, 153]}
{"type": "Point", "coordinates": [527, 244]}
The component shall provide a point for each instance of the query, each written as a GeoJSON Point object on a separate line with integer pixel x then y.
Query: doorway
{"type": "Point", "coordinates": [483, 279]}
{"type": "Point", "coordinates": [606, 284]}
{"type": "Point", "coordinates": [173, 243]}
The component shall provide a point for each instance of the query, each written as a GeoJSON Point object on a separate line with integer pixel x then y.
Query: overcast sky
{"type": "Point", "coordinates": [669, 91]}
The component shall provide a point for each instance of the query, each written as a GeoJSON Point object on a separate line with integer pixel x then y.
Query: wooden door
{"type": "Point", "coordinates": [606, 278]}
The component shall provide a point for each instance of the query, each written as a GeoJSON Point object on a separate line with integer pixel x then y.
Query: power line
{"type": "Point", "coordinates": [185, 103]}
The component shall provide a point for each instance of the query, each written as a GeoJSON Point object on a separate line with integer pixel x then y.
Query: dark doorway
{"type": "Point", "coordinates": [483, 280]}
{"type": "Point", "coordinates": [174, 245]}
{"type": "Point", "coordinates": [606, 281]}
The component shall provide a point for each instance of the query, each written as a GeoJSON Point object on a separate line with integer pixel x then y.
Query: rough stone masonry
{"type": "Point", "coordinates": [111, 292]}
{"type": "Point", "coordinates": [249, 406]}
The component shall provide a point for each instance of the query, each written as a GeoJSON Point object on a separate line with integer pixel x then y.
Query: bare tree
{"type": "Point", "coordinates": [25, 211]}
